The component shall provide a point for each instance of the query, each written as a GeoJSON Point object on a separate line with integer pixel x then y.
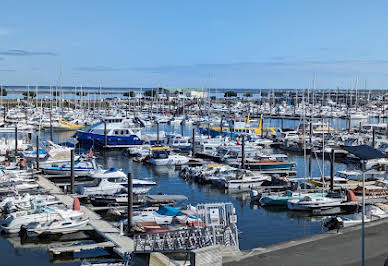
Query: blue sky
{"type": "Point", "coordinates": [243, 44]}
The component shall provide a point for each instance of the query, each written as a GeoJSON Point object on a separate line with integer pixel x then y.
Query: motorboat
{"type": "Point", "coordinates": [43, 216]}
{"type": "Point", "coordinates": [82, 167]}
{"type": "Point", "coordinates": [308, 203]}
{"type": "Point", "coordinates": [282, 199]}
{"type": "Point", "coordinates": [165, 215]}
{"type": "Point", "coordinates": [372, 213]}
{"type": "Point", "coordinates": [161, 156]}
{"type": "Point", "coordinates": [25, 202]}
{"type": "Point", "coordinates": [112, 181]}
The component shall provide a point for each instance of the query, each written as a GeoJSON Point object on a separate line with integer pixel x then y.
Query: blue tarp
{"type": "Point", "coordinates": [168, 211]}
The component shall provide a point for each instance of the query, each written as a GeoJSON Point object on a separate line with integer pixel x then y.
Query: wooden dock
{"type": "Point", "coordinates": [79, 248]}
{"type": "Point", "coordinates": [121, 244]}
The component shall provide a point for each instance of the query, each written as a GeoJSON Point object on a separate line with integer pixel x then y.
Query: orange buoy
{"type": "Point", "coordinates": [351, 196]}
{"type": "Point", "coordinates": [76, 205]}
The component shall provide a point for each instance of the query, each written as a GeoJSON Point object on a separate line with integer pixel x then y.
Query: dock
{"type": "Point", "coordinates": [329, 248]}
{"type": "Point", "coordinates": [79, 248]}
{"type": "Point", "coordinates": [121, 244]}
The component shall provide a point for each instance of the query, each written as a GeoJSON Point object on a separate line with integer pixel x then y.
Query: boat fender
{"type": "Point", "coordinates": [351, 196]}
{"type": "Point", "coordinates": [76, 205]}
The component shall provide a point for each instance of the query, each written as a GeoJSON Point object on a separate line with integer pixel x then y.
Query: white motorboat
{"type": "Point", "coordinates": [25, 202]}
{"type": "Point", "coordinates": [82, 167]}
{"type": "Point", "coordinates": [44, 216]}
{"type": "Point", "coordinates": [308, 203]}
{"type": "Point", "coordinates": [372, 213]}
{"type": "Point", "coordinates": [112, 181]}
{"type": "Point", "coordinates": [161, 156]}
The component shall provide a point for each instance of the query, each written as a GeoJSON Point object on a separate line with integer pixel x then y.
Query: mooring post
{"type": "Point", "coordinates": [373, 138]}
{"type": "Point", "coordinates": [16, 140]}
{"type": "Point", "coordinates": [359, 127]}
{"type": "Point", "coordinates": [51, 126]}
{"type": "Point", "coordinates": [242, 151]}
{"type": "Point", "coordinates": [105, 135]}
{"type": "Point", "coordinates": [332, 169]}
{"type": "Point", "coordinates": [208, 130]}
{"type": "Point", "coordinates": [72, 171]}
{"type": "Point", "coordinates": [182, 127]}
{"type": "Point", "coordinates": [130, 203]}
{"type": "Point", "coordinates": [193, 144]}
{"type": "Point", "coordinates": [157, 133]}
{"type": "Point", "coordinates": [37, 153]}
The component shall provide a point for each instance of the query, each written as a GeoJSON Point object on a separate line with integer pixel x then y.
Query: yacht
{"type": "Point", "coordinates": [308, 203]}
{"type": "Point", "coordinates": [119, 131]}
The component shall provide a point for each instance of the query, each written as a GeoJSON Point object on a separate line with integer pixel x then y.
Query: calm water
{"type": "Point", "coordinates": [259, 226]}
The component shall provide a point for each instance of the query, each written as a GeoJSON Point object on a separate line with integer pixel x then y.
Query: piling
{"type": "Point", "coordinates": [72, 171]}
{"type": "Point", "coordinates": [51, 126]}
{"type": "Point", "coordinates": [332, 168]}
{"type": "Point", "coordinates": [16, 140]}
{"type": "Point", "coordinates": [182, 127]}
{"type": "Point", "coordinates": [130, 203]}
{"type": "Point", "coordinates": [359, 127]}
{"type": "Point", "coordinates": [208, 130]}
{"type": "Point", "coordinates": [157, 133]}
{"type": "Point", "coordinates": [373, 137]}
{"type": "Point", "coordinates": [242, 151]}
{"type": "Point", "coordinates": [193, 144]}
{"type": "Point", "coordinates": [105, 135]}
{"type": "Point", "coordinates": [37, 153]}
{"type": "Point", "coordinates": [282, 120]}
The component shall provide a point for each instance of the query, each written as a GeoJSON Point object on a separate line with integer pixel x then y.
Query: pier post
{"type": "Point", "coordinates": [130, 203]}
{"type": "Point", "coordinates": [72, 171]}
{"type": "Point", "coordinates": [359, 127]}
{"type": "Point", "coordinates": [208, 130]}
{"type": "Point", "coordinates": [157, 133]}
{"type": "Point", "coordinates": [373, 138]}
{"type": "Point", "coordinates": [37, 153]}
{"type": "Point", "coordinates": [16, 139]}
{"type": "Point", "coordinates": [105, 135]}
{"type": "Point", "coordinates": [282, 120]}
{"type": "Point", "coordinates": [332, 169]}
{"type": "Point", "coordinates": [51, 126]}
{"type": "Point", "coordinates": [193, 144]}
{"type": "Point", "coordinates": [182, 127]}
{"type": "Point", "coordinates": [242, 151]}
{"type": "Point", "coordinates": [5, 114]}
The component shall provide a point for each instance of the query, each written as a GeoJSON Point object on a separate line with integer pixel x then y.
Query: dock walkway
{"type": "Point", "coordinates": [328, 248]}
{"type": "Point", "coordinates": [123, 244]}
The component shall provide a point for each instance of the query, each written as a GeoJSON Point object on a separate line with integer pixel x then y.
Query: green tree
{"type": "Point", "coordinates": [83, 93]}
{"type": "Point", "coordinates": [4, 92]}
{"type": "Point", "coordinates": [55, 93]}
{"type": "Point", "coordinates": [248, 94]}
{"type": "Point", "coordinates": [230, 94]}
{"type": "Point", "coordinates": [31, 94]}
{"type": "Point", "coordinates": [129, 94]}
{"type": "Point", "coordinates": [150, 93]}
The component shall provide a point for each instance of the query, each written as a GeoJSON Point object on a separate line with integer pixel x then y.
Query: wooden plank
{"type": "Point", "coordinates": [79, 248]}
